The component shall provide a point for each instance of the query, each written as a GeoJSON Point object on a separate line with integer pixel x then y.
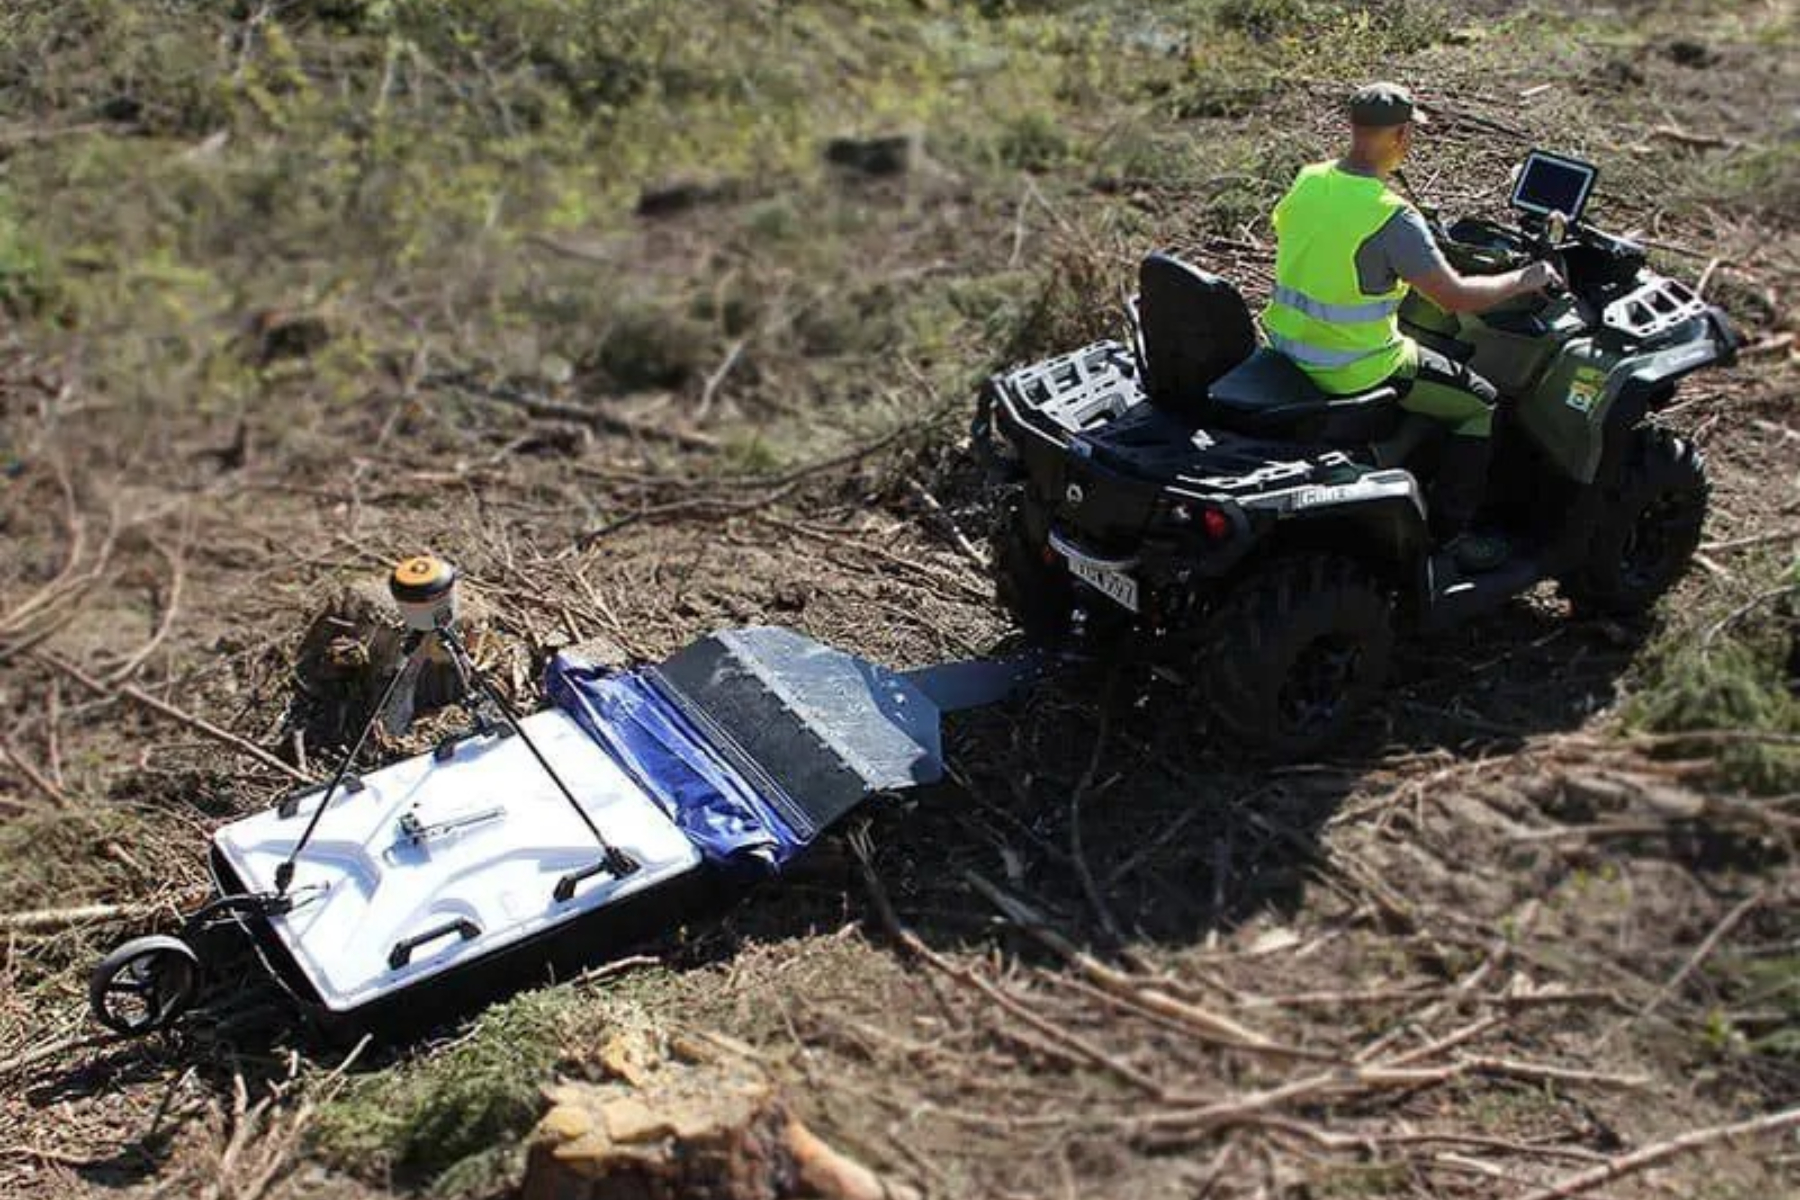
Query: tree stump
{"type": "Point", "coordinates": [350, 652]}
{"type": "Point", "coordinates": [668, 1130]}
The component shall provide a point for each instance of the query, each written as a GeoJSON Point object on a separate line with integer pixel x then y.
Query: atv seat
{"type": "Point", "coordinates": [1268, 394]}
{"type": "Point", "coordinates": [1194, 328]}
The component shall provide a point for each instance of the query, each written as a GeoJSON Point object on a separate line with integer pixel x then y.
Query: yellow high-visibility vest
{"type": "Point", "coordinates": [1343, 338]}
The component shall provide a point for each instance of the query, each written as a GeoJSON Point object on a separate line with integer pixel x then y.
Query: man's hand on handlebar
{"type": "Point", "coordinates": [1455, 292]}
{"type": "Point", "coordinates": [1540, 277]}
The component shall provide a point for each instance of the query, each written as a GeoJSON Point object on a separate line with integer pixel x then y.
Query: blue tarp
{"type": "Point", "coordinates": [708, 800]}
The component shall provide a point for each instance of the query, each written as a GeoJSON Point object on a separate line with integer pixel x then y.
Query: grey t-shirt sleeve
{"type": "Point", "coordinates": [1401, 249]}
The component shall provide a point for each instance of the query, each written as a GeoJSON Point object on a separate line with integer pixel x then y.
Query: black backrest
{"type": "Point", "coordinates": [1195, 328]}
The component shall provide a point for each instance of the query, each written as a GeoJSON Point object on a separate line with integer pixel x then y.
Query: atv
{"type": "Point", "coordinates": [1195, 493]}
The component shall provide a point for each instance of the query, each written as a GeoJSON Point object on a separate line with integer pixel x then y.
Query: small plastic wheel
{"type": "Point", "coordinates": [144, 985]}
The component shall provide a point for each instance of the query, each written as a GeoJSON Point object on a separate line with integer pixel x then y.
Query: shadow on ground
{"type": "Point", "coordinates": [1177, 837]}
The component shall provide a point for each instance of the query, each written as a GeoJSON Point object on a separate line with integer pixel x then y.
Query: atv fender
{"type": "Point", "coordinates": [1578, 425]}
{"type": "Point", "coordinates": [1652, 377]}
{"type": "Point", "coordinates": [1380, 515]}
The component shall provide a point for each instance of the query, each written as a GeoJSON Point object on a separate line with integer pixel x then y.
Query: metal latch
{"type": "Point", "coordinates": [414, 831]}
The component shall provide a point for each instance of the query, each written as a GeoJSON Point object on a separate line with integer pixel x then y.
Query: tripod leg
{"type": "Point", "coordinates": [284, 874]}
{"type": "Point", "coordinates": [615, 860]}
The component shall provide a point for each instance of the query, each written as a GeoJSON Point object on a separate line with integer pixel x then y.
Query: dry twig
{"type": "Point", "coordinates": [1096, 900]}
{"type": "Point", "coordinates": [44, 920]}
{"type": "Point", "coordinates": [1211, 1026]}
{"type": "Point", "coordinates": [1701, 953]}
{"type": "Point", "coordinates": [10, 754]}
{"type": "Point", "coordinates": [177, 560]}
{"type": "Point", "coordinates": [1075, 1044]}
{"type": "Point", "coordinates": [137, 695]}
{"type": "Point", "coordinates": [1617, 1168]}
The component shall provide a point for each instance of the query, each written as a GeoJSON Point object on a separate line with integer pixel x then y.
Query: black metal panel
{"type": "Point", "coordinates": [815, 730]}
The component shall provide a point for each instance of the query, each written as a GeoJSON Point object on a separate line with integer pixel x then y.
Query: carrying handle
{"type": "Point", "coordinates": [565, 887]}
{"type": "Point", "coordinates": [402, 952]}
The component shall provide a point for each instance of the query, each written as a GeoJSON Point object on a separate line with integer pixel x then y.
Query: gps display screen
{"type": "Point", "coordinates": [1548, 184]}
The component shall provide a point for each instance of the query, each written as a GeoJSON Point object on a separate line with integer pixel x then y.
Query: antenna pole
{"type": "Point", "coordinates": [617, 862]}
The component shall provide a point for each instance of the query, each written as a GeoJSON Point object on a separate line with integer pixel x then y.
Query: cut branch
{"type": "Point", "coordinates": [138, 695]}
{"type": "Point", "coordinates": [44, 920]}
{"type": "Point", "coordinates": [1638, 1160]}
{"type": "Point", "coordinates": [1211, 1026]}
{"type": "Point", "coordinates": [543, 406]}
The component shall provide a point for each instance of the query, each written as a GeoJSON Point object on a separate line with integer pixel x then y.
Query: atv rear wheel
{"type": "Point", "coordinates": [1649, 530]}
{"type": "Point", "coordinates": [1038, 595]}
{"type": "Point", "coordinates": [1296, 653]}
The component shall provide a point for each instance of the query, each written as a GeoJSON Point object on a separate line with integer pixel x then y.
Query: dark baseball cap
{"type": "Point", "coordinates": [1384, 105]}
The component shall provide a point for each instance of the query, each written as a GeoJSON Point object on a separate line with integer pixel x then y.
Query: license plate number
{"type": "Point", "coordinates": [1120, 588]}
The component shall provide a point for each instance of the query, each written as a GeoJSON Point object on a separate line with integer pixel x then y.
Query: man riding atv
{"type": "Point", "coordinates": [1348, 248]}
{"type": "Point", "coordinates": [1266, 509]}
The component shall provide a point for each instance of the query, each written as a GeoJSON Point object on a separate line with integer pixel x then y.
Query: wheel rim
{"type": "Point", "coordinates": [1653, 544]}
{"type": "Point", "coordinates": [146, 991]}
{"type": "Point", "coordinates": [1317, 689]}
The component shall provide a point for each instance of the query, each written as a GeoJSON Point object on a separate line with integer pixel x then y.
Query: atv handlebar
{"type": "Point", "coordinates": [1546, 245]}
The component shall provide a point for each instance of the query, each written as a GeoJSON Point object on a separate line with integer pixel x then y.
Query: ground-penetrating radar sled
{"type": "Point", "coordinates": [544, 842]}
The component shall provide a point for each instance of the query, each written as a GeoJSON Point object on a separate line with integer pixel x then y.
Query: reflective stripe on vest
{"type": "Point", "coordinates": [1318, 356]}
{"type": "Point", "coordinates": [1343, 314]}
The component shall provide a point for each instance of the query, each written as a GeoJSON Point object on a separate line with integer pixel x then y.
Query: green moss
{"type": "Point", "coordinates": [996, 305]}
{"type": "Point", "coordinates": [649, 347]}
{"type": "Point", "coordinates": [866, 321]}
{"type": "Point", "coordinates": [439, 1118]}
{"type": "Point", "coordinates": [752, 455]}
{"type": "Point", "coordinates": [28, 284]}
{"type": "Point", "coordinates": [1033, 141]}
{"type": "Point", "coordinates": [1765, 180]}
{"type": "Point", "coordinates": [1735, 682]}
{"type": "Point", "coordinates": [1311, 38]}
{"type": "Point", "coordinates": [1267, 18]}
{"type": "Point", "coordinates": [774, 221]}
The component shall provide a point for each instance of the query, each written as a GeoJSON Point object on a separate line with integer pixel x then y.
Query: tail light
{"type": "Point", "coordinates": [1215, 523]}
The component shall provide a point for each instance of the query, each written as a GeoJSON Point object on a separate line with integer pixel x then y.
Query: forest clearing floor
{"type": "Point", "coordinates": [1541, 913]}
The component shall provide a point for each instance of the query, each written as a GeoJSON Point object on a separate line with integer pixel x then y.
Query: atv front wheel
{"type": "Point", "coordinates": [1038, 595]}
{"type": "Point", "coordinates": [1649, 530]}
{"type": "Point", "coordinates": [1296, 653]}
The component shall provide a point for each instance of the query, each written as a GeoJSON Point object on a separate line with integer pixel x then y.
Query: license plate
{"type": "Point", "coordinates": [1116, 586]}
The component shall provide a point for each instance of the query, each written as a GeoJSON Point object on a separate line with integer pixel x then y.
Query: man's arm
{"type": "Point", "coordinates": [1455, 292]}
{"type": "Point", "coordinates": [1405, 248]}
